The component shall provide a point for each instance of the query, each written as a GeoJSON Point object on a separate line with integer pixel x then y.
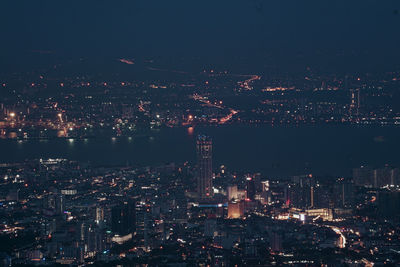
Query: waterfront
{"type": "Point", "coordinates": [274, 151]}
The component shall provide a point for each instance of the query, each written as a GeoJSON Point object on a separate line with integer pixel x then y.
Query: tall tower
{"type": "Point", "coordinates": [250, 188]}
{"type": "Point", "coordinates": [355, 102]}
{"type": "Point", "coordinates": [204, 164]}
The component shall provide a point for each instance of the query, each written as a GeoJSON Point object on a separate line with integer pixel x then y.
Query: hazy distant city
{"type": "Point", "coordinates": [44, 105]}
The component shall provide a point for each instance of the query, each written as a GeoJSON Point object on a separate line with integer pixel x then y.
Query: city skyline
{"type": "Point", "coordinates": [199, 133]}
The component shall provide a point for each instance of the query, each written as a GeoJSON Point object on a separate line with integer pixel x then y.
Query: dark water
{"type": "Point", "coordinates": [274, 151]}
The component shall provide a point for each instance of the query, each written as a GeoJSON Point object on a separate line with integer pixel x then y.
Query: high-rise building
{"type": "Point", "coordinates": [376, 178]}
{"type": "Point", "coordinates": [99, 215]}
{"type": "Point", "coordinates": [204, 163]}
{"type": "Point", "coordinates": [355, 102]}
{"type": "Point", "coordinates": [144, 223]}
{"type": "Point", "coordinates": [362, 176]}
{"type": "Point", "coordinates": [123, 218]}
{"type": "Point", "coordinates": [275, 241]}
{"type": "Point", "coordinates": [60, 204]}
{"type": "Point", "coordinates": [232, 192]}
{"type": "Point", "coordinates": [389, 204]}
{"type": "Point", "coordinates": [250, 188]}
{"type": "Point", "coordinates": [235, 209]}
{"type": "Point", "coordinates": [302, 192]}
{"type": "Point", "coordinates": [343, 194]}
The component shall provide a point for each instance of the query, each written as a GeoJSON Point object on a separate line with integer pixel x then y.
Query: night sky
{"type": "Point", "coordinates": [360, 32]}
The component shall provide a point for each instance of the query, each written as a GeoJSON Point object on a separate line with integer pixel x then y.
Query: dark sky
{"type": "Point", "coordinates": [210, 29]}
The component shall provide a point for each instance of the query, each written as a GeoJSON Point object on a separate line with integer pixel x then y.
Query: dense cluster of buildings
{"type": "Point", "coordinates": [56, 211]}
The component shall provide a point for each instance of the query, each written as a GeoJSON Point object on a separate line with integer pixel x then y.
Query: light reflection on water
{"type": "Point", "coordinates": [71, 142]}
{"type": "Point", "coordinates": [326, 150]}
{"type": "Point", "coordinates": [190, 130]}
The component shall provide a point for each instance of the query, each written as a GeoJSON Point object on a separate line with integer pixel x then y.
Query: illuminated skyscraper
{"type": "Point", "coordinates": [99, 215]}
{"type": "Point", "coordinates": [204, 164]}
{"type": "Point", "coordinates": [235, 209]}
{"type": "Point", "coordinates": [355, 102]}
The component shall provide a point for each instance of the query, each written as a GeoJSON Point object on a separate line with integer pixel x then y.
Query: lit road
{"type": "Point", "coordinates": [246, 83]}
{"type": "Point", "coordinates": [209, 104]}
{"type": "Point", "coordinates": [342, 237]}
